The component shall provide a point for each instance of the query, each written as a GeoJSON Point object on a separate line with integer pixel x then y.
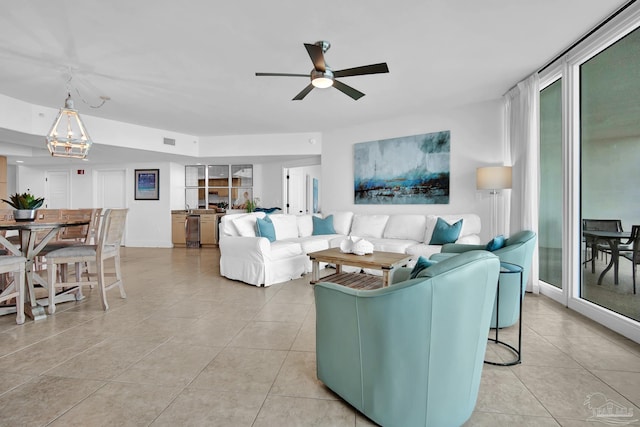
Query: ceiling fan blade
{"type": "Point", "coordinates": [303, 93]}
{"type": "Point", "coordinates": [282, 74]}
{"type": "Point", "coordinates": [365, 69]}
{"type": "Point", "coordinates": [348, 90]}
{"type": "Point", "coordinates": [317, 57]}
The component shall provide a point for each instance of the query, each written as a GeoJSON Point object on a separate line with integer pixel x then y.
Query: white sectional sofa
{"type": "Point", "coordinates": [258, 261]}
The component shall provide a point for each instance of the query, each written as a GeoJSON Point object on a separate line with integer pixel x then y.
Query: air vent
{"type": "Point", "coordinates": [169, 141]}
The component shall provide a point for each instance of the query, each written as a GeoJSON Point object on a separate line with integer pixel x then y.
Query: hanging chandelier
{"type": "Point", "coordinates": [68, 137]}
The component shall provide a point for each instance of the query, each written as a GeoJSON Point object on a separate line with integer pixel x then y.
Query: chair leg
{"type": "Point", "coordinates": [19, 282]}
{"type": "Point", "coordinates": [101, 284]}
{"type": "Point", "coordinates": [119, 276]}
{"type": "Point", "coordinates": [51, 284]}
{"type": "Point", "coordinates": [79, 295]}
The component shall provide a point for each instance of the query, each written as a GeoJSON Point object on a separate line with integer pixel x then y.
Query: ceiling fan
{"type": "Point", "coordinates": [322, 76]}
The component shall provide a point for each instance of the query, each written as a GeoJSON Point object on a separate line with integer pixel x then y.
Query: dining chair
{"type": "Point", "coordinates": [633, 255]}
{"type": "Point", "coordinates": [15, 265]}
{"type": "Point", "coordinates": [591, 244]}
{"type": "Point", "coordinates": [107, 247]}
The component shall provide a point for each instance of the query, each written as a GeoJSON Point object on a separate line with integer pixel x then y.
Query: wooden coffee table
{"type": "Point", "coordinates": [385, 261]}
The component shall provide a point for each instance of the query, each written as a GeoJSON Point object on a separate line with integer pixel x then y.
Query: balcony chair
{"type": "Point", "coordinates": [517, 249]}
{"type": "Point", "coordinates": [107, 246]}
{"type": "Point", "coordinates": [410, 354]}
{"type": "Point", "coordinates": [633, 254]}
{"type": "Point", "coordinates": [16, 289]}
{"type": "Point", "coordinates": [591, 244]}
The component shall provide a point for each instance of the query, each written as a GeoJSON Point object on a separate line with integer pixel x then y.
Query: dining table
{"type": "Point", "coordinates": [30, 246]}
{"type": "Point", "coordinates": [612, 239]}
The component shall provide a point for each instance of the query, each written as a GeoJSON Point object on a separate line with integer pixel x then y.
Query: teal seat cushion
{"type": "Point", "coordinates": [265, 228]}
{"type": "Point", "coordinates": [444, 232]}
{"type": "Point", "coordinates": [323, 225]}
{"type": "Point", "coordinates": [421, 264]}
{"type": "Point", "coordinates": [496, 243]}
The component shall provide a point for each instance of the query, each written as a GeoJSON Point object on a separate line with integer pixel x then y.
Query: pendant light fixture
{"type": "Point", "coordinates": [68, 137]}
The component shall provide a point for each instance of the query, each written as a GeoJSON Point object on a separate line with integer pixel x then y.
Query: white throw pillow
{"type": "Point", "coordinates": [341, 221]}
{"type": "Point", "coordinates": [406, 227]}
{"type": "Point", "coordinates": [368, 225]}
{"type": "Point", "coordinates": [245, 225]}
{"type": "Point", "coordinates": [305, 225]}
{"type": "Point", "coordinates": [286, 226]}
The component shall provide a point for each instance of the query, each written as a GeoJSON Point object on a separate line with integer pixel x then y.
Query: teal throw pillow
{"type": "Point", "coordinates": [265, 228]}
{"type": "Point", "coordinates": [495, 243]}
{"type": "Point", "coordinates": [323, 225]}
{"type": "Point", "coordinates": [421, 264]}
{"type": "Point", "coordinates": [445, 233]}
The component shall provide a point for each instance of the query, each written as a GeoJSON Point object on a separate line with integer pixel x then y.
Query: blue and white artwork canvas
{"type": "Point", "coordinates": [401, 171]}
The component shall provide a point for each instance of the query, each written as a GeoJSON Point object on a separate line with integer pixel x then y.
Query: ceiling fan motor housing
{"type": "Point", "coordinates": [322, 79]}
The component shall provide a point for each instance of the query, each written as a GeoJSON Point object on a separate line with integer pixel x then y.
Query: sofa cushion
{"type": "Point", "coordinates": [405, 227]}
{"type": "Point", "coordinates": [423, 249]}
{"type": "Point", "coordinates": [342, 222]}
{"type": "Point", "coordinates": [264, 228]}
{"type": "Point", "coordinates": [368, 225]}
{"type": "Point", "coordinates": [314, 243]}
{"type": "Point", "coordinates": [391, 245]}
{"type": "Point", "coordinates": [283, 250]}
{"type": "Point", "coordinates": [286, 226]}
{"type": "Point", "coordinates": [323, 226]}
{"type": "Point", "coordinates": [305, 225]}
{"type": "Point", "coordinates": [445, 232]}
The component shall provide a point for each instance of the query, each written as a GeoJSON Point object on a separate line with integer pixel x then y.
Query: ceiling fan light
{"type": "Point", "coordinates": [322, 82]}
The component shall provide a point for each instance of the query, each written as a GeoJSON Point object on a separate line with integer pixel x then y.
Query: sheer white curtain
{"type": "Point", "coordinates": [522, 109]}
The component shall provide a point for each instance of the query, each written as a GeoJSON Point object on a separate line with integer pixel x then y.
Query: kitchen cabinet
{"type": "Point", "coordinates": [209, 220]}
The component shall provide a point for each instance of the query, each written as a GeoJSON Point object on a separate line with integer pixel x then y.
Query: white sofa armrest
{"type": "Point", "coordinates": [251, 248]}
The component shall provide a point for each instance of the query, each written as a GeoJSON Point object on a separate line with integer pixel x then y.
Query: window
{"type": "Point", "coordinates": [207, 187]}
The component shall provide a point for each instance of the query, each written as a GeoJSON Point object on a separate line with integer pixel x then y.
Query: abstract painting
{"type": "Point", "coordinates": [401, 171]}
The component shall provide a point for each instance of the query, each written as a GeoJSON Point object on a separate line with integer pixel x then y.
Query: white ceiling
{"type": "Point", "coordinates": [189, 66]}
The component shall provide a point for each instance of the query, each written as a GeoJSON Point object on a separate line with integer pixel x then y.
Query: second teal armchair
{"type": "Point", "coordinates": [410, 354]}
{"type": "Point", "coordinates": [518, 249]}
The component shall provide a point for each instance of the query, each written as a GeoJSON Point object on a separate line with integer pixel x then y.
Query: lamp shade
{"type": "Point", "coordinates": [493, 177]}
{"type": "Point", "coordinates": [68, 136]}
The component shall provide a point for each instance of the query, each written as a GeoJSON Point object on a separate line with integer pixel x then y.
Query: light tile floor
{"type": "Point", "coordinates": [190, 348]}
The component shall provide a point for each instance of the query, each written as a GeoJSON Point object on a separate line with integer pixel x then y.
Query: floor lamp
{"type": "Point", "coordinates": [493, 178]}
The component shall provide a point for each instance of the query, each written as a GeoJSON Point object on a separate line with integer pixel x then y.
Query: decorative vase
{"type": "Point", "coordinates": [24, 214]}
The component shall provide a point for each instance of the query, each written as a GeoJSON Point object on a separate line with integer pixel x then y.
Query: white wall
{"type": "Point", "coordinates": [148, 221]}
{"type": "Point", "coordinates": [476, 140]}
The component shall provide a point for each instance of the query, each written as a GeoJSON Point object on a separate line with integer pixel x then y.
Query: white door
{"type": "Point", "coordinates": [111, 189]}
{"type": "Point", "coordinates": [296, 191]}
{"type": "Point", "coordinates": [57, 190]}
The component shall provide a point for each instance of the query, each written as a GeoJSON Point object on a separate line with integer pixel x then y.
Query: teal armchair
{"type": "Point", "coordinates": [518, 249]}
{"type": "Point", "coordinates": [410, 354]}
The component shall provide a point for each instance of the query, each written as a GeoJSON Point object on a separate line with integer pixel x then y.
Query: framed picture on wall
{"type": "Point", "coordinates": [147, 184]}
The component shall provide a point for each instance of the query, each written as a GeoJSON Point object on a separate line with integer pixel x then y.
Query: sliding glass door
{"type": "Point", "coordinates": [550, 215]}
{"type": "Point", "coordinates": [609, 91]}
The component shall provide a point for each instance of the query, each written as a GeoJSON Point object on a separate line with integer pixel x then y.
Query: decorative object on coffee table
{"type": "Point", "coordinates": [356, 245]}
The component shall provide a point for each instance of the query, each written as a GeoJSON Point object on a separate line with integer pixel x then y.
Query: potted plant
{"type": "Point", "coordinates": [25, 205]}
{"type": "Point", "coordinates": [222, 207]}
{"type": "Point", "coordinates": [251, 205]}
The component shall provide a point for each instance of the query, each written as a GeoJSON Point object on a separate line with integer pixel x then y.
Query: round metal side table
{"type": "Point", "coordinates": [509, 268]}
